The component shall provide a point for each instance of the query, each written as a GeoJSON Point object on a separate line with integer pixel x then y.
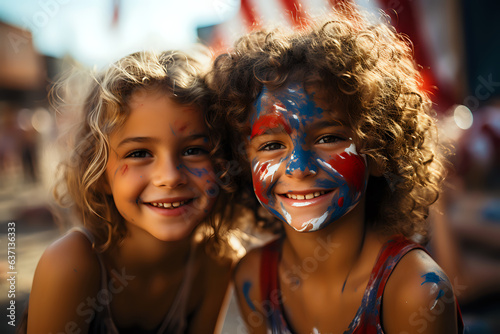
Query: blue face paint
{"type": "Point", "coordinates": [198, 172]}
{"type": "Point", "coordinates": [292, 112]}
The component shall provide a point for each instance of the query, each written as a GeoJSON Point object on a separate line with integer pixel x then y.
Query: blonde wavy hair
{"type": "Point", "coordinates": [104, 109]}
{"type": "Point", "coordinates": [364, 67]}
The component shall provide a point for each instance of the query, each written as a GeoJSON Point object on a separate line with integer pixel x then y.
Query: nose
{"type": "Point", "coordinates": [169, 173]}
{"type": "Point", "coordinates": [301, 163]}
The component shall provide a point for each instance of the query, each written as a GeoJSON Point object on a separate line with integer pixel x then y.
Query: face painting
{"type": "Point", "coordinates": [305, 167]}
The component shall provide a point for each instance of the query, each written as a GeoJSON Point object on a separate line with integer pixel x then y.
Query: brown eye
{"type": "Point", "coordinates": [139, 154]}
{"type": "Point", "coordinates": [195, 151]}
{"type": "Point", "coordinates": [271, 147]}
{"type": "Point", "coordinates": [329, 139]}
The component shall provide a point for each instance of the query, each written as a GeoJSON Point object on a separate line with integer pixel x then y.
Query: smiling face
{"type": "Point", "coordinates": [159, 171]}
{"type": "Point", "coordinates": [305, 167]}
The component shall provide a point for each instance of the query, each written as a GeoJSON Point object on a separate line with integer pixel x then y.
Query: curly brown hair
{"type": "Point", "coordinates": [364, 67]}
{"type": "Point", "coordinates": [104, 109]}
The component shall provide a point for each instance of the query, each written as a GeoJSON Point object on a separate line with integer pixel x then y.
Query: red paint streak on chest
{"type": "Point", "coordinates": [351, 167]}
{"type": "Point", "coordinates": [257, 183]}
{"type": "Point", "coordinates": [270, 121]}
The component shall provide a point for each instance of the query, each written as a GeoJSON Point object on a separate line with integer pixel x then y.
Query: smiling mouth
{"type": "Point", "coordinates": [170, 205]}
{"type": "Point", "coordinates": [306, 196]}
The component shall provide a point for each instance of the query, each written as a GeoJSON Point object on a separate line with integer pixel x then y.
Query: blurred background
{"type": "Point", "coordinates": [455, 41]}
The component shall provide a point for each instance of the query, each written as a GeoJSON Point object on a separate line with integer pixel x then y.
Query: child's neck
{"type": "Point", "coordinates": [142, 252]}
{"type": "Point", "coordinates": [333, 250]}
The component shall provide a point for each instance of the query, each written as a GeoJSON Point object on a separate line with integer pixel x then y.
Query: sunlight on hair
{"type": "Point", "coordinates": [235, 243]}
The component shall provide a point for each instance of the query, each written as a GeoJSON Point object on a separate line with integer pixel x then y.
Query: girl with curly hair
{"type": "Point", "coordinates": [144, 177]}
{"type": "Point", "coordinates": [340, 147]}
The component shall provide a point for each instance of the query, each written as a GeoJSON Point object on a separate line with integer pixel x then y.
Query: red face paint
{"type": "Point", "coordinates": [124, 169]}
{"type": "Point", "coordinates": [270, 121]}
{"type": "Point", "coordinates": [351, 167]}
{"type": "Point", "coordinates": [258, 186]}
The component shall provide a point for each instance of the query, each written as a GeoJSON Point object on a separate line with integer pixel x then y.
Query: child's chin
{"type": "Point", "coordinates": [176, 235]}
{"type": "Point", "coordinates": [309, 225]}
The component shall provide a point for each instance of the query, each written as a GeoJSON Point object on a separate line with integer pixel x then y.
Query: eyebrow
{"type": "Point", "coordinates": [315, 126]}
{"type": "Point", "coordinates": [327, 123]}
{"type": "Point", "coordinates": [152, 139]}
{"type": "Point", "coordinates": [271, 123]}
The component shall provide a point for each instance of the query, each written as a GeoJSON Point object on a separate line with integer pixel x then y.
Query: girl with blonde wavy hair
{"type": "Point", "coordinates": [341, 150]}
{"type": "Point", "coordinates": [144, 177]}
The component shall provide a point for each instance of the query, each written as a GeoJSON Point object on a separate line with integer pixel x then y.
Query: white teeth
{"type": "Point", "coordinates": [168, 205]}
{"type": "Point", "coordinates": [307, 196]}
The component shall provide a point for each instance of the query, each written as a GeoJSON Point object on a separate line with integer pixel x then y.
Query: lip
{"type": "Point", "coordinates": [325, 195]}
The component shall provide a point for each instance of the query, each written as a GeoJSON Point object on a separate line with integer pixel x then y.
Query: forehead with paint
{"type": "Point", "coordinates": [285, 109]}
{"type": "Point", "coordinates": [305, 167]}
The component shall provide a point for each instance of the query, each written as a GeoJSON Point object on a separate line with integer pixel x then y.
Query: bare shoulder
{"type": "Point", "coordinates": [246, 275]}
{"type": "Point", "coordinates": [248, 291]}
{"type": "Point", "coordinates": [419, 297]}
{"type": "Point", "coordinates": [68, 272]}
{"type": "Point", "coordinates": [71, 252]}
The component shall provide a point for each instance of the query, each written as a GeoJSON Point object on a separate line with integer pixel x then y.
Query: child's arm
{"type": "Point", "coordinates": [247, 287]}
{"type": "Point", "coordinates": [65, 284]}
{"type": "Point", "coordinates": [419, 298]}
{"type": "Point", "coordinates": [216, 279]}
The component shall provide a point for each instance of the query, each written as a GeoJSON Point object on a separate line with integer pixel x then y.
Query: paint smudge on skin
{"type": "Point", "coordinates": [246, 289]}
{"type": "Point", "coordinates": [116, 171]}
{"type": "Point", "coordinates": [270, 121]}
{"type": "Point", "coordinates": [352, 168]}
{"type": "Point", "coordinates": [212, 191]}
{"type": "Point", "coordinates": [315, 223]}
{"type": "Point", "coordinates": [300, 160]}
{"type": "Point", "coordinates": [198, 172]}
{"type": "Point", "coordinates": [124, 169]}
{"type": "Point", "coordinates": [435, 279]}
{"type": "Point", "coordinates": [341, 202]}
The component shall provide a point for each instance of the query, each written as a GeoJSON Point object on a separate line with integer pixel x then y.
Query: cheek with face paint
{"type": "Point", "coordinates": [264, 180]}
{"type": "Point", "coordinates": [202, 176]}
{"type": "Point", "coordinates": [348, 177]}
